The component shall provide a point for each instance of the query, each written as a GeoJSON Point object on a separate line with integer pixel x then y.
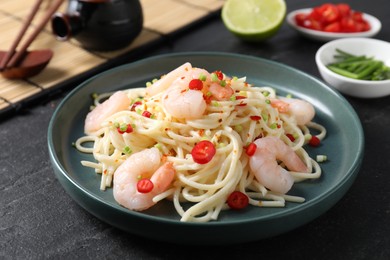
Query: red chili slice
{"type": "Point", "coordinates": [255, 118]}
{"type": "Point", "coordinates": [314, 141]}
{"type": "Point", "coordinates": [291, 137]}
{"type": "Point", "coordinates": [145, 186]}
{"type": "Point", "coordinates": [314, 24]}
{"type": "Point", "coordinates": [344, 9]}
{"type": "Point", "coordinates": [348, 24]}
{"type": "Point", "coordinates": [207, 98]}
{"type": "Point", "coordinates": [357, 16]}
{"type": "Point", "coordinates": [333, 27]}
{"type": "Point", "coordinates": [241, 97]}
{"type": "Point", "coordinates": [128, 129]}
{"type": "Point", "coordinates": [329, 12]}
{"type": "Point", "coordinates": [146, 114]}
{"type": "Point", "coordinates": [315, 15]}
{"type": "Point", "coordinates": [195, 84]}
{"type": "Point", "coordinates": [135, 104]}
{"type": "Point", "coordinates": [219, 74]}
{"type": "Point", "coordinates": [237, 200]}
{"type": "Point", "coordinates": [300, 19]}
{"type": "Point", "coordinates": [203, 152]}
{"type": "Point", "coordinates": [251, 149]}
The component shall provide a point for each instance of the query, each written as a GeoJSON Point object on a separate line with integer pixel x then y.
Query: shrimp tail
{"type": "Point", "coordinates": [166, 81]}
{"type": "Point", "coordinates": [117, 102]}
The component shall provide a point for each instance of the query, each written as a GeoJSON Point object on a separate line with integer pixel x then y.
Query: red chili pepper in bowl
{"type": "Point", "coordinates": [335, 18]}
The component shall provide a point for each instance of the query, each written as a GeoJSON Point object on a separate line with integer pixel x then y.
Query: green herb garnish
{"type": "Point", "coordinates": [359, 67]}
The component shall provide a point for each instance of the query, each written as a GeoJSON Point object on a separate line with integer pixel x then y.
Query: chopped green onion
{"type": "Point", "coordinates": [123, 127]}
{"type": "Point", "coordinates": [222, 83]}
{"type": "Point", "coordinates": [307, 137]}
{"type": "Point", "coordinates": [264, 116]}
{"type": "Point", "coordinates": [321, 158]}
{"type": "Point", "coordinates": [359, 67]}
{"type": "Point", "coordinates": [138, 99]}
{"type": "Point", "coordinates": [221, 145]}
{"type": "Point", "coordinates": [214, 77]}
{"type": "Point", "coordinates": [158, 146]}
{"type": "Point", "coordinates": [202, 77]}
{"type": "Point", "coordinates": [127, 150]}
{"type": "Point", "coordinates": [148, 84]}
{"type": "Point", "coordinates": [238, 128]}
{"type": "Point", "coordinates": [268, 101]}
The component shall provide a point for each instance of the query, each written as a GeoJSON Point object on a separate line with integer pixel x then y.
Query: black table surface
{"type": "Point", "coordinates": [38, 219]}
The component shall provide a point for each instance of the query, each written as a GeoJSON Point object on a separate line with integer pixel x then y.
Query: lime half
{"type": "Point", "coordinates": [253, 20]}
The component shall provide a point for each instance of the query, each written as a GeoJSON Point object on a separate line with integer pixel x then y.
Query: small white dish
{"type": "Point", "coordinates": [328, 36]}
{"type": "Point", "coordinates": [378, 49]}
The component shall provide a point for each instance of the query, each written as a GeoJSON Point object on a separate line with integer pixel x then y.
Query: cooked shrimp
{"type": "Point", "coordinates": [117, 102]}
{"type": "Point", "coordinates": [184, 103]}
{"type": "Point", "coordinates": [266, 169]}
{"type": "Point", "coordinates": [166, 81]}
{"type": "Point", "coordinates": [143, 164]}
{"type": "Point", "coordinates": [302, 110]}
{"type": "Point", "coordinates": [190, 74]}
{"type": "Point", "coordinates": [221, 93]}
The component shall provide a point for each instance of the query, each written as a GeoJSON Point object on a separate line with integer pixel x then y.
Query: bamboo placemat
{"type": "Point", "coordinates": [161, 18]}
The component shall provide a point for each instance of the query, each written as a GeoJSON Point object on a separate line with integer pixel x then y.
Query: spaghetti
{"type": "Point", "coordinates": [199, 191]}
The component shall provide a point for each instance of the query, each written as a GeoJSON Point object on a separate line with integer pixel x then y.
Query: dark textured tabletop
{"type": "Point", "coordinates": [39, 220]}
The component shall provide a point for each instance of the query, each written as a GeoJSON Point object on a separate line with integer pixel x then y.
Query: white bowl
{"type": "Point", "coordinates": [328, 36]}
{"type": "Point", "coordinates": [379, 50]}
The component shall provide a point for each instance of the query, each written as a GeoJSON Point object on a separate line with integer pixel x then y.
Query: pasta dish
{"type": "Point", "coordinates": [205, 141]}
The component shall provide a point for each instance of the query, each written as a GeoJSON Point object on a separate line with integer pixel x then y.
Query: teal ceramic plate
{"type": "Point", "coordinates": [161, 222]}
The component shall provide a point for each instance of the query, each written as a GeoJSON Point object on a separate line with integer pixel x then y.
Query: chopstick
{"type": "Point", "coordinates": [12, 57]}
{"type": "Point", "coordinates": [16, 42]}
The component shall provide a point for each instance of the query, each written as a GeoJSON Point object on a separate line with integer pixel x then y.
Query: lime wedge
{"type": "Point", "coordinates": [253, 20]}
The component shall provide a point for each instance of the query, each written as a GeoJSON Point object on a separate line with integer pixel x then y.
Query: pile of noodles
{"type": "Point", "coordinates": [229, 125]}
